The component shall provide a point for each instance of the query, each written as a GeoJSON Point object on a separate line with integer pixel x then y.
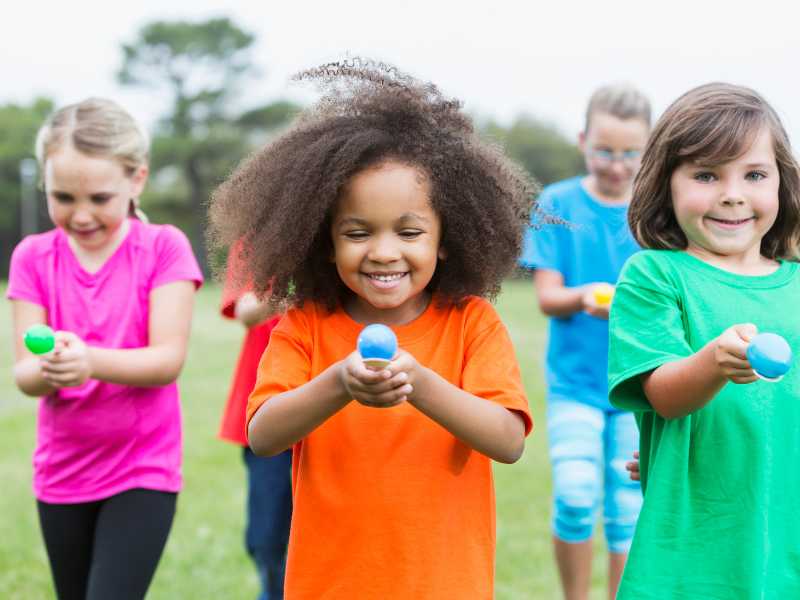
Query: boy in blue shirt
{"type": "Point", "coordinates": [574, 267]}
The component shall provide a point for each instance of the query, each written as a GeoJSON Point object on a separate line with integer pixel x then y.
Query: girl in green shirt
{"type": "Point", "coordinates": [716, 205]}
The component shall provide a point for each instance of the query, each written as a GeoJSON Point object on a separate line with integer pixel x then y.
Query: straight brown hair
{"type": "Point", "coordinates": [711, 125]}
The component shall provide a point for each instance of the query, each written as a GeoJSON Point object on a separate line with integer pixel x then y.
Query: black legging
{"type": "Point", "coordinates": [109, 548]}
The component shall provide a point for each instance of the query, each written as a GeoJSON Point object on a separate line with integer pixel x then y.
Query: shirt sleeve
{"type": "Point", "coordinates": [541, 244]}
{"type": "Point", "coordinates": [491, 370]}
{"type": "Point", "coordinates": [645, 329]}
{"type": "Point", "coordinates": [285, 364]}
{"type": "Point", "coordinates": [175, 260]}
{"type": "Point", "coordinates": [24, 282]}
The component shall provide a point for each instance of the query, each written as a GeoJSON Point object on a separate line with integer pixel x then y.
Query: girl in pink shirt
{"type": "Point", "coordinates": [119, 293]}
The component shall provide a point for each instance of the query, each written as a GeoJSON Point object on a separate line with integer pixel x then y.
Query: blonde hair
{"type": "Point", "coordinates": [712, 124]}
{"type": "Point", "coordinates": [618, 100]}
{"type": "Point", "coordinates": [100, 128]}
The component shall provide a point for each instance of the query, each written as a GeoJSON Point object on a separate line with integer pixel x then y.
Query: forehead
{"type": "Point", "coordinates": [607, 130]}
{"type": "Point", "coordinates": [389, 191]}
{"type": "Point", "coordinates": [69, 169]}
{"type": "Point", "coordinates": [757, 148]}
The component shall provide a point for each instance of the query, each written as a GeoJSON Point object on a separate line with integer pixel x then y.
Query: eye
{"type": "Point", "coordinates": [410, 234]}
{"type": "Point", "coordinates": [62, 198]}
{"type": "Point", "coordinates": [101, 199]}
{"type": "Point", "coordinates": [756, 175]}
{"type": "Point", "coordinates": [356, 235]}
{"type": "Point", "coordinates": [704, 177]}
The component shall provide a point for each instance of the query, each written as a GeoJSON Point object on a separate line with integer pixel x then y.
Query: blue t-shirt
{"type": "Point", "coordinates": [592, 248]}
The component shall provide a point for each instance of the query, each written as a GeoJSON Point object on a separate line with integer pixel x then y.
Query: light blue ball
{"type": "Point", "coordinates": [377, 341]}
{"type": "Point", "coordinates": [769, 355]}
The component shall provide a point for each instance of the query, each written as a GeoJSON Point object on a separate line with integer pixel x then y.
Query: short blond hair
{"type": "Point", "coordinates": [95, 127]}
{"type": "Point", "coordinates": [619, 100]}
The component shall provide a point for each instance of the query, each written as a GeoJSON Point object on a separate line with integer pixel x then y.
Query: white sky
{"type": "Point", "coordinates": [500, 57]}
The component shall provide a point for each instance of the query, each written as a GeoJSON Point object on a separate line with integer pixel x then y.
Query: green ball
{"type": "Point", "coordinates": [39, 339]}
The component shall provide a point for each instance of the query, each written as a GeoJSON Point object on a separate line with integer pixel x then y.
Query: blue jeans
{"type": "Point", "coordinates": [588, 451]}
{"type": "Point", "coordinates": [269, 514]}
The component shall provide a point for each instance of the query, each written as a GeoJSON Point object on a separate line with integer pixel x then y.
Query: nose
{"type": "Point", "coordinates": [383, 249]}
{"type": "Point", "coordinates": [732, 195]}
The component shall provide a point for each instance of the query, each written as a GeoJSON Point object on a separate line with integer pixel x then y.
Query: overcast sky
{"type": "Point", "coordinates": [500, 57]}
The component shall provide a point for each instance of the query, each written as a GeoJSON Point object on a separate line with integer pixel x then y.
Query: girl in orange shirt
{"type": "Point", "coordinates": [381, 205]}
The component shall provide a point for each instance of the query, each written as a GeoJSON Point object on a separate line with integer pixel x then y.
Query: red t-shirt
{"type": "Point", "coordinates": [232, 427]}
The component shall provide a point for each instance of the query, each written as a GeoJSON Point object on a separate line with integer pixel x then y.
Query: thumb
{"type": "Point", "coordinates": [747, 331]}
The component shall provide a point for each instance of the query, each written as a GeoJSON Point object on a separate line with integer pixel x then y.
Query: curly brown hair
{"type": "Point", "coordinates": [712, 124]}
{"type": "Point", "coordinates": [277, 206]}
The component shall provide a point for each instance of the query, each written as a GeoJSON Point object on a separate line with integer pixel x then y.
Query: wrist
{"type": "Point", "coordinates": [423, 381]}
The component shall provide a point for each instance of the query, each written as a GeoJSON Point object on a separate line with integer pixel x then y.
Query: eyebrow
{"type": "Point", "coordinates": [409, 216]}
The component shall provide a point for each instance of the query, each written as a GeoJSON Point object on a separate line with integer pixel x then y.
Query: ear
{"type": "Point", "coordinates": [582, 142]}
{"type": "Point", "coordinates": [442, 254]}
{"type": "Point", "coordinates": [139, 179]}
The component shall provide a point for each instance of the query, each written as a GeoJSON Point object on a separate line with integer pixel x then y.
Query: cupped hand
{"type": "Point", "coordinates": [68, 365]}
{"type": "Point", "coordinates": [377, 389]}
{"type": "Point", "coordinates": [730, 353]}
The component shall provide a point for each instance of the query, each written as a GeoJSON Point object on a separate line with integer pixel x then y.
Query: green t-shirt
{"type": "Point", "coordinates": [721, 514]}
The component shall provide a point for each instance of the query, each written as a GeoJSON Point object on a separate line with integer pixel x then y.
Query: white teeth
{"type": "Point", "coordinates": [387, 278]}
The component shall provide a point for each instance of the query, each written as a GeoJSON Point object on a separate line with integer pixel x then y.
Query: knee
{"type": "Point", "coordinates": [576, 494]}
{"type": "Point", "coordinates": [622, 512]}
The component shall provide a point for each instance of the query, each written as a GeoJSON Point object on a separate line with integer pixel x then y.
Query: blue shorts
{"type": "Point", "coordinates": [588, 451]}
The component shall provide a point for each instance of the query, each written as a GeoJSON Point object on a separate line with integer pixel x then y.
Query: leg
{"type": "Point", "coordinates": [623, 497]}
{"type": "Point", "coordinates": [132, 529]}
{"type": "Point", "coordinates": [68, 532]}
{"type": "Point", "coordinates": [269, 513]}
{"type": "Point", "coordinates": [575, 433]}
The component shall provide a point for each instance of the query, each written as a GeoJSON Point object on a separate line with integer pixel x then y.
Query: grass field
{"type": "Point", "coordinates": [204, 557]}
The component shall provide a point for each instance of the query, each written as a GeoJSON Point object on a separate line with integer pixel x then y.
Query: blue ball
{"type": "Point", "coordinates": [377, 341]}
{"type": "Point", "coordinates": [769, 355]}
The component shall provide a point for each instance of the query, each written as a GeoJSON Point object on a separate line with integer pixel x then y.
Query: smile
{"type": "Point", "coordinates": [730, 223]}
{"type": "Point", "coordinates": [385, 280]}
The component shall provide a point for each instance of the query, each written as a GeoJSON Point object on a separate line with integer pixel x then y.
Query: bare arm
{"type": "Point", "coordinates": [27, 367]}
{"type": "Point", "coordinates": [289, 417]}
{"type": "Point", "coordinates": [161, 361]}
{"type": "Point", "coordinates": [679, 388]}
{"type": "Point", "coordinates": [489, 428]}
{"type": "Point", "coordinates": [158, 363]}
{"type": "Point", "coordinates": [558, 300]}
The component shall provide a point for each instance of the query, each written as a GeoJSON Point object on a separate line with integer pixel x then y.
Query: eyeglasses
{"type": "Point", "coordinates": [607, 157]}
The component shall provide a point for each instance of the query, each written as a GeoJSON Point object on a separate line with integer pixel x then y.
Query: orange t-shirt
{"type": "Point", "coordinates": [388, 503]}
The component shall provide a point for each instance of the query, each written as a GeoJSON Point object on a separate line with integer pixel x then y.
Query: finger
{"type": "Point", "coordinates": [746, 331]}
{"type": "Point", "coordinates": [61, 379]}
{"type": "Point", "coordinates": [745, 379]}
{"type": "Point", "coordinates": [368, 376]}
{"type": "Point", "coordinates": [391, 397]}
{"type": "Point", "coordinates": [69, 367]}
{"type": "Point", "coordinates": [635, 454]}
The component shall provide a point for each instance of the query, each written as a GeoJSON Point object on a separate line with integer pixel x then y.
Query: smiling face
{"type": "Point", "coordinates": [89, 197]}
{"type": "Point", "coordinates": [726, 210]}
{"type": "Point", "coordinates": [386, 239]}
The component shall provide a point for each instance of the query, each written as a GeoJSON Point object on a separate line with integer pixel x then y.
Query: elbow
{"type": "Point", "coordinates": [513, 453]}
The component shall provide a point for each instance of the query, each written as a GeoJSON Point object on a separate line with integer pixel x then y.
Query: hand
{"type": "Point", "coordinates": [250, 310]}
{"type": "Point", "coordinates": [590, 304]}
{"type": "Point", "coordinates": [730, 353]}
{"type": "Point", "coordinates": [633, 467]}
{"type": "Point", "coordinates": [68, 365]}
{"type": "Point", "coordinates": [377, 389]}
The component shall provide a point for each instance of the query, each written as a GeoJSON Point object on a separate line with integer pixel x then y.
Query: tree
{"type": "Point", "coordinates": [539, 147]}
{"type": "Point", "coordinates": [19, 124]}
{"type": "Point", "coordinates": [201, 67]}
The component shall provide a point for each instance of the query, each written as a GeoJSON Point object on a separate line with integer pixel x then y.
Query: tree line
{"type": "Point", "coordinates": [201, 68]}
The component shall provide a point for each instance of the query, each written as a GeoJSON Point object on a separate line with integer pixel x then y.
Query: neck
{"type": "Point", "coordinates": [590, 183]}
{"type": "Point", "coordinates": [750, 263]}
{"type": "Point", "coordinates": [363, 312]}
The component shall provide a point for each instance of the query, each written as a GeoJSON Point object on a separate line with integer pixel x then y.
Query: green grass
{"type": "Point", "coordinates": [204, 557]}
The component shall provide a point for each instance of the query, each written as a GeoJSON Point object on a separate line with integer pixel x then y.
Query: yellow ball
{"type": "Point", "coordinates": [603, 294]}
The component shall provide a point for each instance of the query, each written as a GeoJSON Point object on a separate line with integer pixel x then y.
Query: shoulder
{"type": "Point", "coordinates": [161, 237]}
{"type": "Point", "coordinates": [37, 244]}
{"type": "Point", "coordinates": [562, 193]}
{"type": "Point", "coordinates": [301, 320]}
{"type": "Point", "coordinates": [474, 314]}
{"type": "Point", "coordinates": [655, 269]}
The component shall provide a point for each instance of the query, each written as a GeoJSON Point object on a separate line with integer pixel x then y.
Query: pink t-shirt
{"type": "Point", "coordinates": [101, 438]}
